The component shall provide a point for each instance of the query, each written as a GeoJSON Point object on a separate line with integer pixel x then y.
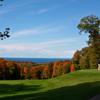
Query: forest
{"type": "Point", "coordinates": [11, 70]}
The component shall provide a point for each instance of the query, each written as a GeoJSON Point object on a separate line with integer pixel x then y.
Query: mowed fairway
{"type": "Point", "coordinates": [79, 85]}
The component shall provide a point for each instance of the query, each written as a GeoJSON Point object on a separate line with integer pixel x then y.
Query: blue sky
{"type": "Point", "coordinates": [44, 28]}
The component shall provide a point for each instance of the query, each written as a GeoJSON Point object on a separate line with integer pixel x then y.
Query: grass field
{"type": "Point", "coordinates": [79, 85]}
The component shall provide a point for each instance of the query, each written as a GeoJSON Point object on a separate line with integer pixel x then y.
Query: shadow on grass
{"type": "Point", "coordinates": [78, 92]}
{"type": "Point", "coordinates": [6, 89]}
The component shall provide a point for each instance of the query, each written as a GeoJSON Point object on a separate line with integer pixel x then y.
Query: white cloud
{"type": "Point", "coordinates": [42, 49]}
{"type": "Point", "coordinates": [35, 46]}
{"type": "Point", "coordinates": [19, 5]}
{"type": "Point", "coordinates": [41, 11]}
{"type": "Point", "coordinates": [2, 12]}
{"type": "Point", "coordinates": [57, 53]}
{"type": "Point", "coordinates": [38, 30]}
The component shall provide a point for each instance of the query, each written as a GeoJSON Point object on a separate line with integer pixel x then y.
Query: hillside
{"type": "Point", "coordinates": [79, 85]}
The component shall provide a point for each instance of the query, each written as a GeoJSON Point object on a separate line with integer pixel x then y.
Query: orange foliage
{"type": "Point", "coordinates": [15, 70]}
{"type": "Point", "coordinates": [72, 68]}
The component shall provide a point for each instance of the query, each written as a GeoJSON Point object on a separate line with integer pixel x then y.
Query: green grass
{"type": "Point", "coordinates": [80, 85]}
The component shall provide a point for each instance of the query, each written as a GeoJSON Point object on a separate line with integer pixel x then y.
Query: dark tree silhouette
{"type": "Point", "coordinates": [1, 2]}
{"type": "Point", "coordinates": [5, 34]}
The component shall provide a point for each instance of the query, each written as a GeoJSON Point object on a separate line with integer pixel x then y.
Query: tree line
{"type": "Point", "coordinates": [11, 70]}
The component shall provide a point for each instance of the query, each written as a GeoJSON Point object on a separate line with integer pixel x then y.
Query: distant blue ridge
{"type": "Point", "coordinates": [37, 60]}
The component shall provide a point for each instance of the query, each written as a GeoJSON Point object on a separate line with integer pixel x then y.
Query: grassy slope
{"type": "Point", "coordinates": [79, 85]}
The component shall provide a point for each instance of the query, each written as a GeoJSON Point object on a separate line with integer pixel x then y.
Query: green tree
{"type": "Point", "coordinates": [91, 25]}
{"type": "Point", "coordinates": [76, 57]}
{"type": "Point", "coordinates": [84, 58]}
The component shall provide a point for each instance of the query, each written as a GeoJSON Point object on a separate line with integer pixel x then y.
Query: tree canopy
{"type": "Point", "coordinates": [91, 25]}
{"type": "Point", "coordinates": [87, 57]}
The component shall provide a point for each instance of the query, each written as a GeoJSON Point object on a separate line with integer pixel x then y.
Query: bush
{"type": "Point", "coordinates": [77, 67]}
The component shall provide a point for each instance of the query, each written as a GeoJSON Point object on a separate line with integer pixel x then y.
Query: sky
{"type": "Point", "coordinates": [44, 28]}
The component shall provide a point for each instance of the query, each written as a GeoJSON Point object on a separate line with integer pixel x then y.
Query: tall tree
{"type": "Point", "coordinates": [91, 25]}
